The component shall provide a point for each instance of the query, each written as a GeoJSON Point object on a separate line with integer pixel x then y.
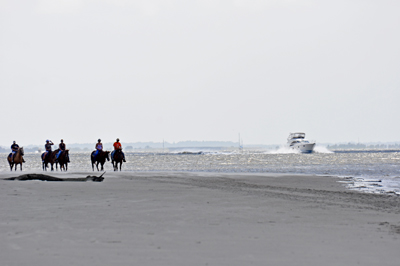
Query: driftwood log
{"type": "Point", "coordinates": [52, 178]}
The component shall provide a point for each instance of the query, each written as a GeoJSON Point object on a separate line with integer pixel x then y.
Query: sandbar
{"type": "Point", "coordinates": [195, 218]}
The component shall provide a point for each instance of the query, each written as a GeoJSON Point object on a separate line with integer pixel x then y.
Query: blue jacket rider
{"type": "Point", "coordinates": [98, 147]}
{"type": "Point", "coordinates": [47, 146]}
{"type": "Point", "coordinates": [61, 148]}
{"type": "Point", "coordinates": [14, 149]}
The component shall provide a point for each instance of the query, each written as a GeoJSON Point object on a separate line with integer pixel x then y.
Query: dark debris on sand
{"type": "Point", "coordinates": [42, 177]}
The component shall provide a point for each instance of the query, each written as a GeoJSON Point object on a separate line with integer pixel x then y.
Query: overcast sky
{"type": "Point", "coordinates": [199, 70]}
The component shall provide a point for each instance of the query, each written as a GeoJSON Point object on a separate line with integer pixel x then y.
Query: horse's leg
{"type": "Point", "coordinates": [21, 166]}
{"type": "Point", "coordinates": [120, 166]}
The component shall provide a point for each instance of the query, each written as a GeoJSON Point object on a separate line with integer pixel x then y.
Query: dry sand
{"type": "Point", "coordinates": [169, 218]}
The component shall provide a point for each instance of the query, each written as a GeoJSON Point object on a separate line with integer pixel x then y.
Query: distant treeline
{"type": "Point", "coordinates": [130, 146]}
{"type": "Point", "coordinates": [361, 146]}
{"type": "Point", "coordinates": [29, 149]}
{"type": "Point", "coordinates": [159, 145]}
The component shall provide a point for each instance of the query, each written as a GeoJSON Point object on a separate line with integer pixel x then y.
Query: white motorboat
{"type": "Point", "coordinates": [297, 141]}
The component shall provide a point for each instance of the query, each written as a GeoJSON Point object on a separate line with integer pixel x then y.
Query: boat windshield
{"type": "Point", "coordinates": [297, 135]}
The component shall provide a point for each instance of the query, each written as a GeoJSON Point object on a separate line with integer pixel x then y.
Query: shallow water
{"type": "Point", "coordinates": [369, 171]}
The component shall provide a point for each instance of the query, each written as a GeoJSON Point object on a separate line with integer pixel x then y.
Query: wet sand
{"type": "Point", "coordinates": [180, 218]}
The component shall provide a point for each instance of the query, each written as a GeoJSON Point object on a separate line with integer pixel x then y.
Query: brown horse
{"type": "Point", "coordinates": [50, 158]}
{"type": "Point", "coordinates": [18, 159]}
{"type": "Point", "coordinates": [63, 160]}
{"type": "Point", "coordinates": [117, 159]}
{"type": "Point", "coordinates": [100, 159]}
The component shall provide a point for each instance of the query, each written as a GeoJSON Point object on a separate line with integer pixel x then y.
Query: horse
{"type": "Point", "coordinates": [18, 159]}
{"type": "Point", "coordinates": [50, 158]}
{"type": "Point", "coordinates": [117, 158]}
{"type": "Point", "coordinates": [100, 158]}
{"type": "Point", "coordinates": [62, 160]}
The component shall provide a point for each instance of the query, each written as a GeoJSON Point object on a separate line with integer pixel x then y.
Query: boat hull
{"type": "Point", "coordinates": [303, 147]}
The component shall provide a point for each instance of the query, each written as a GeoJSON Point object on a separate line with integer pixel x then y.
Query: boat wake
{"type": "Point", "coordinates": [322, 149]}
{"type": "Point", "coordinates": [288, 150]}
{"type": "Point", "coordinates": [283, 150]}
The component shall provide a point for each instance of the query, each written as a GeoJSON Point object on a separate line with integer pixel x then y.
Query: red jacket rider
{"type": "Point", "coordinates": [117, 146]}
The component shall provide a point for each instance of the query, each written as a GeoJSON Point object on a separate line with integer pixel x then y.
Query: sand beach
{"type": "Point", "coordinates": [188, 218]}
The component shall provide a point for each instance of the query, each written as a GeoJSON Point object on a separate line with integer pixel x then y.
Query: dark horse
{"type": "Point", "coordinates": [117, 159]}
{"type": "Point", "coordinates": [50, 158]}
{"type": "Point", "coordinates": [18, 159]}
{"type": "Point", "coordinates": [100, 158]}
{"type": "Point", "coordinates": [62, 160]}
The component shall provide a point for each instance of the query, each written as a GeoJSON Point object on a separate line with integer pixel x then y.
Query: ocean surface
{"type": "Point", "coordinates": [371, 171]}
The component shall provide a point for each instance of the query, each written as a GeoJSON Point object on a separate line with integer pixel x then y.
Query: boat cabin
{"type": "Point", "coordinates": [297, 135]}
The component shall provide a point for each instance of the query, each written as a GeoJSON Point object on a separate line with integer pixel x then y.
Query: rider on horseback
{"type": "Point", "coordinates": [61, 148]}
{"type": "Point", "coordinates": [98, 147]}
{"type": "Point", "coordinates": [14, 149]}
{"type": "Point", "coordinates": [117, 146]}
{"type": "Point", "coordinates": [47, 146]}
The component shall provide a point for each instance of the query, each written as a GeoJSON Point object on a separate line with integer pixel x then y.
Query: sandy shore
{"type": "Point", "coordinates": [166, 218]}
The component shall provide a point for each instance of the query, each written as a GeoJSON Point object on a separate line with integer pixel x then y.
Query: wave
{"type": "Point", "coordinates": [283, 150]}
{"type": "Point", "coordinates": [322, 149]}
{"type": "Point", "coordinates": [288, 150]}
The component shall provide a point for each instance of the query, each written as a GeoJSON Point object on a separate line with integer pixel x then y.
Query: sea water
{"type": "Point", "coordinates": [373, 171]}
